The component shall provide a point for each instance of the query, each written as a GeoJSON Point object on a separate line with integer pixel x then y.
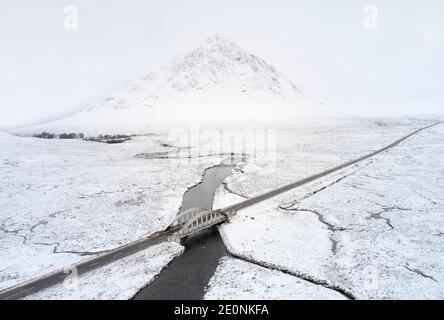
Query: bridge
{"type": "Point", "coordinates": [197, 219]}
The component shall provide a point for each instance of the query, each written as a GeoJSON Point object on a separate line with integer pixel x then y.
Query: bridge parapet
{"type": "Point", "coordinates": [198, 220]}
{"type": "Point", "coordinates": [183, 217]}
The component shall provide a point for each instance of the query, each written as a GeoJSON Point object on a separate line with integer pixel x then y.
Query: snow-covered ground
{"type": "Point", "coordinates": [63, 201]}
{"type": "Point", "coordinates": [374, 231]}
{"type": "Point", "coordinates": [120, 280]}
{"type": "Point", "coordinates": [237, 279]}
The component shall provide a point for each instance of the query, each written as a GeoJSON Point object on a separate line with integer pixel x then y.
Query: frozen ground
{"type": "Point", "coordinates": [119, 280]}
{"type": "Point", "coordinates": [237, 279]}
{"type": "Point", "coordinates": [63, 201]}
{"type": "Point", "coordinates": [374, 231]}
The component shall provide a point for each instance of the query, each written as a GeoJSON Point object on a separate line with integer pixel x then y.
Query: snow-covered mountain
{"type": "Point", "coordinates": [215, 82]}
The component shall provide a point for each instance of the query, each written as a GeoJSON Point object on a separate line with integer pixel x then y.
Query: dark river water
{"type": "Point", "coordinates": [187, 275]}
{"type": "Point", "coordinates": [202, 194]}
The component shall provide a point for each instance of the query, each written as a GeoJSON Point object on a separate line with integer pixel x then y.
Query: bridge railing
{"type": "Point", "coordinates": [185, 216]}
{"type": "Point", "coordinates": [200, 219]}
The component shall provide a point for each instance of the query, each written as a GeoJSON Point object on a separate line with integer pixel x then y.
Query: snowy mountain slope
{"type": "Point", "coordinates": [217, 81]}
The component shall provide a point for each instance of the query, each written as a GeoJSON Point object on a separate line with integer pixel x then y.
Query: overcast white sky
{"type": "Point", "coordinates": [47, 71]}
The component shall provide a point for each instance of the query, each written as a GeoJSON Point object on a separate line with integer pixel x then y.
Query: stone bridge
{"type": "Point", "coordinates": [196, 219]}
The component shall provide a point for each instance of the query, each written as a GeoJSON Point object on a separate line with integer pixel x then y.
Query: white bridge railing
{"type": "Point", "coordinates": [196, 219]}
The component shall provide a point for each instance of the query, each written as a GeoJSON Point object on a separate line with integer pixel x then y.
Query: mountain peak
{"type": "Point", "coordinates": [220, 62]}
{"type": "Point", "coordinates": [215, 79]}
{"type": "Point", "coordinates": [216, 64]}
{"type": "Point", "coordinates": [217, 38]}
